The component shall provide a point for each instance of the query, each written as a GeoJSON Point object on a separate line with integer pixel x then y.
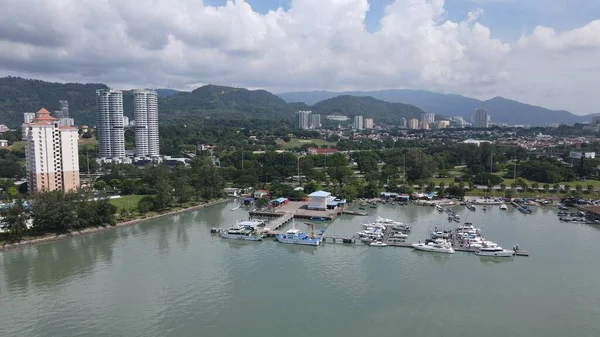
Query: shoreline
{"type": "Point", "coordinates": [92, 230]}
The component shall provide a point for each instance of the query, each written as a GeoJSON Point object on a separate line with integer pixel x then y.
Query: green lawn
{"type": "Point", "coordinates": [127, 201]}
{"type": "Point", "coordinates": [295, 142]}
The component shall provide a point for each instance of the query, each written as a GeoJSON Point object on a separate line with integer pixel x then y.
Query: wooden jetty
{"type": "Point", "coordinates": [276, 223]}
{"type": "Point", "coordinates": [355, 213]}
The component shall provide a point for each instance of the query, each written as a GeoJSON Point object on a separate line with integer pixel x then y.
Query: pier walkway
{"type": "Point", "coordinates": [276, 223]}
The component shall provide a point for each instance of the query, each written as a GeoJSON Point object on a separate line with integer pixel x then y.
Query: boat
{"type": "Point", "coordinates": [244, 230]}
{"type": "Point", "coordinates": [439, 208]}
{"type": "Point", "coordinates": [373, 206]}
{"type": "Point", "coordinates": [362, 208]}
{"type": "Point", "coordinates": [399, 236]}
{"type": "Point", "coordinates": [494, 250]}
{"type": "Point", "coordinates": [377, 244]}
{"type": "Point", "coordinates": [470, 207]}
{"type": "Point", "coordinates": [484, 208]}
{"type": "Point", "coordinates": [393, 203]}
{"type": "Point", "coordinates": [437, 246]}
{"type": "Point", "coordinates": [317, 218]}
{"type": "Point", "coordinates": [236, 208]}
{"type": "Point", "coordinates": [503, 207]}
{"type": "Point", "coordinates": [295, 236]}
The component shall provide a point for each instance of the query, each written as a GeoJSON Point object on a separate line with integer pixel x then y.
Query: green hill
{"type": "Point", "coordinates": [380, 111]}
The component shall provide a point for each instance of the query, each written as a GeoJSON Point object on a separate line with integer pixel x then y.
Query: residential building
{"type": "Point", "coordinates": [595, 120]}
{"type": "Point", "coordinates": [111, 136]}
{"type": "Point", "coordinates": [403, 123]}
{"type": "Point", "coordinates": [4, 128]}
{"type": "Point", "coordinates": [482, 119]}
{"type": "Point", "coordinates": [51, 154]}
{"type": "Point", "coordinates": [3, 143]}
{"type": "Point", "coordinates": [125, 121]}
{"type": "Point", "coordinates": [358, 122]}
{"type": "Point", "coordinates": [28, 117]}
{"type": "Point", "coordinates": [413, 124]}
{"type": "Point", "coordinates": [424, 125]}
{"type": "Point", "coordinates": [579, 155]}
{"type": "Point", "coordinates": [63, 108]}
{"type": "Point", "coordinates": [304, 119]}
{"type": "Point", "coordinates": [428, 117]}
{"type": "Point", "coordinates": [145, 110]}
{"type": "Point", "coordinates": [66, 122]}
{"type": "Point", "coordinates": [459, 121]}
{"type": "Point", "coordinates": [326, 151]}
{"type": "Point", "coordinates": [368, 123]}
{"type": "Point", "coordinates": [442, 124]}
{"type": "Point", "coordinates": [338, 118]}
{"type": "Point", "coordinates": [315, 121]}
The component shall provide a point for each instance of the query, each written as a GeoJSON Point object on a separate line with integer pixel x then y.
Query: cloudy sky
{"type": "Point", "coordinates": [544, 52]}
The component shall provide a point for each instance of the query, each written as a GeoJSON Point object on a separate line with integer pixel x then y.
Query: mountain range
{"type": "Point", "coordinates": [501, 110]}
{"type": "Point", "coordinates": [242, 107]}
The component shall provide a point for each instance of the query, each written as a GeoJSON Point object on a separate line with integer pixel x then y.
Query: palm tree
{"type": "Point", "coordinates": [556, 187]}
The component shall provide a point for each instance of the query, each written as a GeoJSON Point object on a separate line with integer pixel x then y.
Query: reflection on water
{"type": "Point", "coordinates": [491, 260]}
{"type": "Point", "coordinates": [436, 257]}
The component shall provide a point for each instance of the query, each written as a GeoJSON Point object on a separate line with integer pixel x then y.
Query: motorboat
{"type": "Point", "coordinates": [494, 250]}
{"type": "Point", "coordinates": [399, 236]}
{"type": "Point", "coordinates": [437, 246]}
{"type": "Point", "coordinates": [377, 244]}
{"type": "Point", "coordinates": [317, 218]}
{"type": "Point", "coordinates": [439, 208]}
{"type": "Point", "coordinates": [440, 234]}
{"type": "Point", "coordinates": [294, 236]}
{"type": "Point", "coordinates": [503, 207]}
{"type": "Point", "coordinates": [244, 230]}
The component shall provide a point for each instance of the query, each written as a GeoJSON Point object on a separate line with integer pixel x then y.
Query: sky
{"type": "Point", "coordinates": [542, 52]}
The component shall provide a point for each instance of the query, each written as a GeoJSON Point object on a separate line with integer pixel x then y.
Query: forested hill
{"type": "Point", "coordinates": [19, 95]}
{"type": "Point", "coordinates": [368, 107]}
{"type": "Point", "coordinates": [231, 106]}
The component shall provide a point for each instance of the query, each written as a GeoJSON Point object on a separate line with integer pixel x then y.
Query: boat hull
{"type": "Point", "coordinates": [432, 249]}
{"type": "Point", "coordinates": [505, 253]}
{"type": "Point", "coordinates": [241, 237]}
{"type": "Point", "coordinates": [298, 241]}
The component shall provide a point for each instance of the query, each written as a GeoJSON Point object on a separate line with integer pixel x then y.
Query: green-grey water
{"type": "Point", "coordinates": [171, 277]}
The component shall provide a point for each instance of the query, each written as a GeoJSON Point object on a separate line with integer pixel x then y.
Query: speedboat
{"type": "Point", "coordinates": [437, 246]}
{"type": "Point", "coordinates": [377, 244]}
{"type": "Point", "coordinates": [503, 207]}
{"type": "Point", "coordinates": [494, 250]}
{"type": "Point", "coordinates": [439, 208]}
{"type": "Point", "coordinates": [294, 236]}
{"type": "Point", "coordinates": [440, 234]}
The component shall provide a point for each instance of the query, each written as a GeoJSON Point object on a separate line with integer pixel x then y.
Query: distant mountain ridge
{"type": "Point", "coordinates": [501, 110]}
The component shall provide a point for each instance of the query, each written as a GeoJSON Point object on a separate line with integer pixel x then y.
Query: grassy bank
{"type": "Point", "coordinates": [128, 202]}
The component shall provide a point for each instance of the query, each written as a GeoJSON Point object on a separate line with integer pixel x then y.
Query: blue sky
{"type": "Point", "coordinates": [507, 19]}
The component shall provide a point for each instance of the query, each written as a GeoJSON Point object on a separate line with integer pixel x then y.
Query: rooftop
{"type": "Point", "coordinates": [319, 194]}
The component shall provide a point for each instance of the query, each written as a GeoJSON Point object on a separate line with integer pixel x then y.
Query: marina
{"type": "Point", "coordinates": [173, 271]}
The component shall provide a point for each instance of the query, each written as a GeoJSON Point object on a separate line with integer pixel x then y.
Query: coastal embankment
{"type": "Point", "coordinates": [91, 230]}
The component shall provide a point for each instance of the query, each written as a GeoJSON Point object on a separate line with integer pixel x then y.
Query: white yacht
{"type": "Point", "coordinates": [503, 207]}
{"type": "Point", "coordinates": [492, 249]}
{"type": "Point", "coordinates": [437, 246]}
{"type": "Point", "coordinates": [439, 208]}
{"type": "Point", "coordinates": [399, 236]}
{"type": "Point", "coordinates": [377, 244]}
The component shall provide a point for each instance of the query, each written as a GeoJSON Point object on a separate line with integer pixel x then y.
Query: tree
{"type": "Point", "coordinates": [535, 186]}
{"type": "Point", "coordinates": [115, 184]}
{"type": "Point", "coordinates": [129, 186]}
{"type": "Point", "coordinates": [578, 188]}
{"type": "Point", "coordinates": [15, 219]}
{"type": "Point", "coordinates": [341, 174]}
{"type": "Point", "coordinates": [262, 202]}
{"type": "Point", "coordinates": [145, 204]}
{"type": "Point", "coordinates": [546, 188]}
{"type": "Point", "coordinates": [556, 187]}
{"type": "Point", "coordinates": [164, 196]}
{"type": "Point", "coordinates": [590, 188]}
{"type": "Point", "coordinates": [567, 188]}
{"type": "Point", "coordinates": [100, 185]}
{"type": "Point", "coordinates": [12, 193]}
{"type": "Point", "coordinates": [502, 187]}
{"type": "Point", "coordinates": [419, 165]}
{"type": "Point", "coordinates": [348, 192]}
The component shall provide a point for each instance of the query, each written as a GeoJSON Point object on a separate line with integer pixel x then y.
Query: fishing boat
{"type": "Point", "coordinates": [437, 246]}
{"type": "Point", "coordinates": [244, 230]}
{"type": "Point", "coordinates": [377, 244]}
{"type": "Point", "coordinates": [295, 236]}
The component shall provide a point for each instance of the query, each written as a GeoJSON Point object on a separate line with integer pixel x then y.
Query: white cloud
{"type": "Point", "coordinates": [316, 44]}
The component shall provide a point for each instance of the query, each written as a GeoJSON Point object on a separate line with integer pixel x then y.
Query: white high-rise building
{"type": "Point", "coordinates": [28, 117]}
{"type": "Point", "coordinates": [304, 119]}
{"type": "Point", "coordinates": [111, 136]}
{"type": "Point", "coordinates": [51, 154]}
{"type": "Point", "coordinates": [145, 110]}
{"type": "Point", "coordinates": [368, 123]}
{"type": "Point", "coordinates": [482, 119]}
{"type": "Point", "coordinates": [125, 121]}
{"type": "Point", "coordinates": [315, 121]}
{"type": "Point", "coordinates": [428, 117]}
{"type": "Point", "coordinates": [358, 122]}
{"type": "Point", "coordinates": [403, 123]}
{"type": "Point", "coordinates": [413, 124]}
